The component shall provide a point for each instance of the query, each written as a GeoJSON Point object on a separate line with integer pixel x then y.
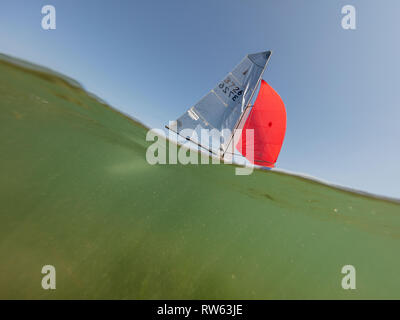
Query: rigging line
{"type": "Point", "coordinates": [188, 139]}
{"type": "Point", "coordinates": [252, 94]}
{"type": "Point", "coordinates": [235, 154]}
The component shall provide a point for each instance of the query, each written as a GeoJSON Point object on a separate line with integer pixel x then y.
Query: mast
{"type": "Point", "coordinates": [248, 104]}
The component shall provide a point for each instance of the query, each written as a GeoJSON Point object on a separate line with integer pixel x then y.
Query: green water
{"type": "Point", "coordinates": [77, 193]}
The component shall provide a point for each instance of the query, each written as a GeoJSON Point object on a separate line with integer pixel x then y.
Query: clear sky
{"type": "Point", "coordinates": [154, 59]}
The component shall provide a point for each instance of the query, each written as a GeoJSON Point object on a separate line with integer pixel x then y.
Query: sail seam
{"type": "Point", "coordinates": [204, 120]}
{"type": "Point", "coordinates": [225, 104]}
{"type": "Point", "coordinates": [235, 78]}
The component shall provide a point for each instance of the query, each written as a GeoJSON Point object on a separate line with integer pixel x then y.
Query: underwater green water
{"type": "Point", "coordinates": [76, 192]}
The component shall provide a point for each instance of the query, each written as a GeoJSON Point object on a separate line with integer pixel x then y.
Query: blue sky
{"type": "Point", "coordinates": [154, 59]}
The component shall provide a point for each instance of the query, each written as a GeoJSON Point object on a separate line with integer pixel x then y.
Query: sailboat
{"type": "Point", "coordinates": [227, 112]}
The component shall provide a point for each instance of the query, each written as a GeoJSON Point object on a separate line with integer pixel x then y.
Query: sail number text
{"type": "Point", "coordinates": [230, 89]}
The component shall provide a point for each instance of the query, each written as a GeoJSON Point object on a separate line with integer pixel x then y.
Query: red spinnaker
{"type": "Point", "coordinates": [268, 120]}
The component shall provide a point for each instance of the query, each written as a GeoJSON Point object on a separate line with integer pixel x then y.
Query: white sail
{"type": "Point", "coordinates": [229, 150]}
{"type": "Point", "coordinates": [223, 106]}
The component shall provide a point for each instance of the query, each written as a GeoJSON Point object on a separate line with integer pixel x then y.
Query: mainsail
{"type": "Point", "coordinates": [223, 107]}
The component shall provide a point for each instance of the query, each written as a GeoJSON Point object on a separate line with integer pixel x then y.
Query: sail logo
{"type": "Point", "coordinates": [168, 150]}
